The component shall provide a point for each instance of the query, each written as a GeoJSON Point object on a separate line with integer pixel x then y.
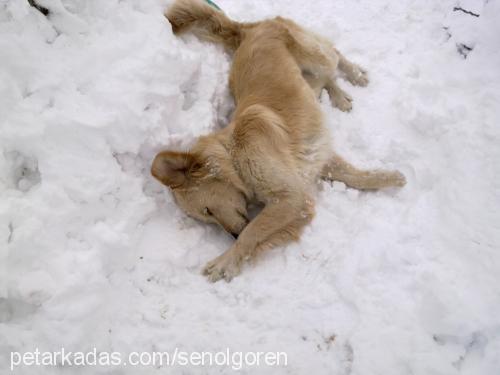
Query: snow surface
{"type": "Point", "coordinates": [96, 254]}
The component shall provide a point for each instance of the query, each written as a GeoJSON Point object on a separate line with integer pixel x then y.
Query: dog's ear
{"type": "Point", "coordinates": [171, 168]}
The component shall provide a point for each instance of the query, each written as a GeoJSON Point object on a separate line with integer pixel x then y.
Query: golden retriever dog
{"type": "Point", "coordinates": [276, 148]}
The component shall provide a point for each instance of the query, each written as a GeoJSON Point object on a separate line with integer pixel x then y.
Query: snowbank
{"type": "Point", "coordinates": [96, 254]}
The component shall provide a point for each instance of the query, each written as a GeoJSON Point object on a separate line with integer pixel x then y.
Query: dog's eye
{"type": "Point", "coordinates": [207, 212]}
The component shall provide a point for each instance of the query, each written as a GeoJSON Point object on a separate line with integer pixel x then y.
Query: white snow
{"type": "Point", "coordinates": [95, 253]}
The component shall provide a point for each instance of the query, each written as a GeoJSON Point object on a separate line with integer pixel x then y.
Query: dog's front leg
{"type": "Point", "coordinates": [280, 222]}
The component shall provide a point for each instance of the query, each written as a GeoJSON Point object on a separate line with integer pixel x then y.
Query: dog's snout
{"type": "Point", "coordinates": [235, 235]}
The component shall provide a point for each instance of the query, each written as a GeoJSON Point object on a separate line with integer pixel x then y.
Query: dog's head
{"type": "Point", "coordinates": [207, 188]}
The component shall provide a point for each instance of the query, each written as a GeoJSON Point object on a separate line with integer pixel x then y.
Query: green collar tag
{"type": "Point", "coordinates": [213, 4]}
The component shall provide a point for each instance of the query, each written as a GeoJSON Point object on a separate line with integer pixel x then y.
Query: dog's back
{"type": "Point", "coordinates": [265, 73]}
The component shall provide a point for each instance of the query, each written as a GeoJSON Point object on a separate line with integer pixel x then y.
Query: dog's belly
{"type": "Point", "coordinates": [313, 154]}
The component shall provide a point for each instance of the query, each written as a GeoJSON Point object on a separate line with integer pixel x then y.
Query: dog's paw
{"type": "Point", "coordinates": [358, 76]}
{"type": "Point", "coordinates": [226, 267]}
{"type": "Point", "coordinates": [342, 101]}
{"type": "Point", "coordinates": [398, 179]}
{"type": "Point", "coordinates": [393, 178]}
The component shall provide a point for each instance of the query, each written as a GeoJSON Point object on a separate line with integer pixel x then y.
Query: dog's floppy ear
{"type": "Point", "coordinates": [171, 167]}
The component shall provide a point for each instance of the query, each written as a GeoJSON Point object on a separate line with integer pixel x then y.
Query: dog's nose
{"type": "Point", "coordinates": [235, 235]}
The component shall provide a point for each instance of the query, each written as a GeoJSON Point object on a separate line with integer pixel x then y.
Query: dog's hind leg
{"type": "Point", "coordinates": [354, 73]}
{"type": "Point", "coordinates": [316, 82]}
{"type": "Point", "coordinates": [337, 169]}
{"type": "Point", "coordinates": [338, 97]}
{"type": "Point", "coordinates": [319, 61]}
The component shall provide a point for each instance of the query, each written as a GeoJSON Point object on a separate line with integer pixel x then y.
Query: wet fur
{"type": "Point", "coordinates": [276, 147]}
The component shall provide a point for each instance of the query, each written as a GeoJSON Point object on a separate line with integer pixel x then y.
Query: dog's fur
{"type": "Point", "coordinates": [276, 147]}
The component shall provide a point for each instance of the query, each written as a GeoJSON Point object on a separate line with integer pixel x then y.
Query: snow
{"type": "Point", "coordinates": [95, 253]}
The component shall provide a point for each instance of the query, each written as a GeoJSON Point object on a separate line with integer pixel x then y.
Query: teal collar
{"type": "Point", "coordinates": [211, 3]}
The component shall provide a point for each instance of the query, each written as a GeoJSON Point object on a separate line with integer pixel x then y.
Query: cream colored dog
{"type": "Point", "coordinates": [276, 147]}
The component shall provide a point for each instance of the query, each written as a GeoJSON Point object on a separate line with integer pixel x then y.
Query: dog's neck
{"type": "Point", "coordinates": [220, 144]}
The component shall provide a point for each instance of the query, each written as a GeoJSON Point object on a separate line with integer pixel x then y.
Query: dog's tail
{"type": "Point", "coordinates": [205, 21]}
